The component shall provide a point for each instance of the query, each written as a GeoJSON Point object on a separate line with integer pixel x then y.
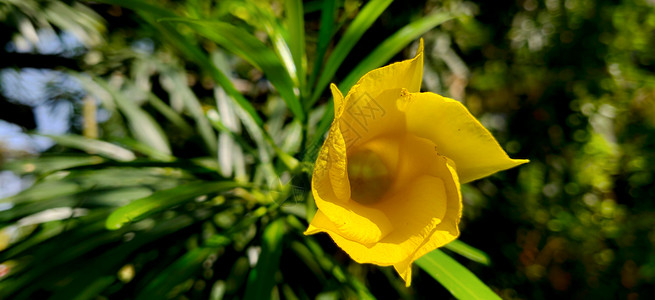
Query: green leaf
{"type": "Point", "coordinates": [469, 252]}
{"type": "Point", "coordinates": [248, 47]}
{"type": "Point", "coordinates": [303, 253]}
{"type": "Point", "coordinates": [193, 106]}
{"type": "Point", "coordinates": [296, 26]}
{"type": "Point", "coordinates": [161, 200]}
{"type": "Point", "coordinates": [91, 291]}
{"type": "Point", "coordinates": [314, 5]}
{"type": "Point", "coordinates": [144, 149]}
{"type": "Point", "coordinates": [457, 279]}
{"type": "Point", "coordinates": [143, 127]}
{"type": "Point", "coordinates": [324, 36]}
{"type": "Point", "coordinates": [262, 17]}
{"type": "Point", "coordinates": [151, 12]}
{"type": "Point", "coordinates": [261, 279]}
{"type": "Point", "coordinates": [93, 146]}
{"type": "Point", "coordinates": [169, 113]}
{"type": "Point", "coordinates": [178, 272]}
{"type": "Point", "coordinates": [329, 265]}
{"type": "Point", "coordinates": [230, 154]}
{"type": "Point", "coordinates": [47, 163]}
{"type": "Point", "coordinates": [371, 11]}
{"type": "Point", "coordinates": [44, 190]}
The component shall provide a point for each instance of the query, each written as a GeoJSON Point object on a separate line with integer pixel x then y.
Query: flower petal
{"type": "Point", "coordinates": [423, 211]}
{"type": "Point", "coordinates": [350, 225]}
{"type": "Point", "coordinates": [330, 185]}
{"type": "Point", "coordinates": [457, 134]}
{"type": "Point", "coordinates": [442, 234]}
{"type": "Point", "coordinates": [338, 99]}
{"type": "Point", "coordinates": [365, 118]}
{"type": "Point", "coordinates": [331, 191]}
{"type": "Point", "coordinates": [370, 105]}
{"type": "Point", "coordinates": [407, 74]}
{"type": "Point", "coordinates": [402, 242]}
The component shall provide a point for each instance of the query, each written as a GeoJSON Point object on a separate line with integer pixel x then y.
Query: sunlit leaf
{"type": "Point", "coordinates": [248, 47]}
{"type": "Point", "coordinates": [93, 146]}
{"type": "Point", "coordinates": [262, 278]}
{"type": "Point", "coordinates": [49, 163]}
{"type": "Point", "coordinates": [230, 154]}
{"type": "Point", "coordinates": [261, 16]}
{"type": "Point", "coordinates": [152, 13]}
{"type": "Point", "coordinates": [161, 200]}
{"type": "Point", "coordinates": [178, 87]}
{"type": "Point", "coordinates": [143, 127]}
{"type": "Point", "coordinates": [469, 252]}
{"type": "Point", "coordinates": [453, 276]}
{"type": "Point", "coordinates": [295, 18]}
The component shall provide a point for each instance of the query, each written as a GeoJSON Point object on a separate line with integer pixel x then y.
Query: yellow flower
{"type": "Point", "coordinates": [387, 179]}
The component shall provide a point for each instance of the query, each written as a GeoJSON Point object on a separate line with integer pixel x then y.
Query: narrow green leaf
{"type": "Point", "coordinates": [44, 190]}
{"type": "Point", "coordinates": [193, 106]}
{"type": "Point", "coordinates": [107, 261]}
{"type": "Point", "coordinates": [262, 17]}
{"type": "Point", "coordinates": [371, 11]}
{"type": "Point", "coordinates": [169, 113]}
{"type": "Point", "coordinates": [453, 276]}
{"type": "Point", "coordinates": [469, 252]}
{"type": "Point", "coordinates": [161, 200]}
{"type": "Point", "coordinates": [230, 154]}
{"type": "Point", "coordinates": [296, 26]}
{"type": "Point", "coordinates": [261, 279]}
{"type": "Point", "coordinates": [47, 163]}
{"type": "Point", "coordinates": [324, 36]}
{"type": "Point", "coordinates": [143, 127]}
{"type": "Point", "coordinates": [178, 272]}
{"type": "Point", "coordinates": [303, 253]}
{"type": "Point", "coordinates": [144, 149]}
{"type": "Point", "coordinates": [248, 47]}
{"type": "Point", "coordinates": [94, 289]}
{"type": "Point", "coordinates": [93, 146]}
{"type": "Point", "coordinates": [151, 13]}
{"type": "Point", "coordinates": [329, 265]}
{"type": "Point", "coordinates": [314, 5]}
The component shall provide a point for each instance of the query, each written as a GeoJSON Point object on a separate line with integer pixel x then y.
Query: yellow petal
{"type": "Point", "coordinates": [406, 74]}
{"type": "Point", "coordinates": [355, 225]}
{"type": "Point", "coordinates": [338, 163]}
{"type": "Point", "coordinates": [402, 241]}
{"type": "Point", "coordinates": [370, 105]}
{"type": "Point", "coordinates": [457, 134]}
{"type": "Point", "coordinates": [423, 211]}
{"type": "Point", "coordinates": [366, 118]}
{"type": "Point", "coordinates": [338, 99]}
{"type": "Point", "coordinates": [329, 184]}
{"type": "Point", "coordinates": [442, 234]}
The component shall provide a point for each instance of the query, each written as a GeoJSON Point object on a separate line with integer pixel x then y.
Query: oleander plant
{"type": "Point", "coordinates": [349, 149]}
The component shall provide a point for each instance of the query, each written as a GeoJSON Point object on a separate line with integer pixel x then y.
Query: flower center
{"type": "Point", "coordinates": [369, 177]}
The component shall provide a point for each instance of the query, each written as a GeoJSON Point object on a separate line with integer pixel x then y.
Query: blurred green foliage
{"type": "Point", "coordinates": [200, 163]}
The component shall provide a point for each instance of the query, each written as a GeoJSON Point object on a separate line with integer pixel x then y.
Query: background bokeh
{"type": "Point", "coordinates": [569, 85]}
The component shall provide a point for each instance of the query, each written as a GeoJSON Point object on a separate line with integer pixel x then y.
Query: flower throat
{"type": "Point", "coordinates": [369, 177]}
